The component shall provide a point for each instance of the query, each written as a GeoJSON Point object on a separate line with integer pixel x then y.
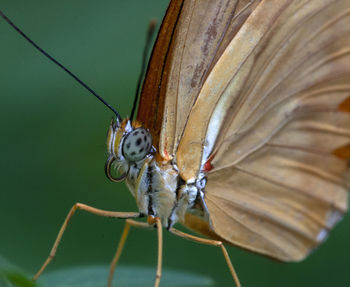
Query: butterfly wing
{"type": "Point", "coordinates": [181, 61]}
{"type": "Point", "coordinates": [256, 94]}
{"type": "Point", "coordinates": [275, 143]}
{"type": "Point", "coordinates": [151, 105]}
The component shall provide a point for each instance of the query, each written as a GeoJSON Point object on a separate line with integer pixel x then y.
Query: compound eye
{"type": "Point", "coordinates": [137, 144]}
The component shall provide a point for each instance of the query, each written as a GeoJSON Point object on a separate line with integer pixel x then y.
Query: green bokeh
{"type": "Point", "coordinates": [53, 149]}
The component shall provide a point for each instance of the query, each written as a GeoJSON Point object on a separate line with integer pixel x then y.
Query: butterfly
{"type": "Point", "coordinates": [271, 139]}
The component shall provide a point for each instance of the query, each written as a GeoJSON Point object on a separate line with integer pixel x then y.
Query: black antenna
{"type": "Point", "coordinates": [60, 65]}
{"type": "Point", "coordinates": [151, 28]}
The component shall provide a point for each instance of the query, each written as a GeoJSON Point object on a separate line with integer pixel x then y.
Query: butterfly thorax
{"type": "Point", "coordinates": [156, 185]}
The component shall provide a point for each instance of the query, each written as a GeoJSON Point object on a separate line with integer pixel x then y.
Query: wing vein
{"type": "Point", "coordinates": [269, 62]}
{"type": "Point", "coordinates": [277, 183]}
{"type": "Point", "coordinates": [244, 226]}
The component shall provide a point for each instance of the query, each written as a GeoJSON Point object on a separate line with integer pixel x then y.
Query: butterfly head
{"type": "Point", "coordinates": [127, 143]}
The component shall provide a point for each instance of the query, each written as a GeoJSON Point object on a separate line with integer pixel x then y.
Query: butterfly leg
{"type": "Point", "coordinates": [210, 242]}
{"type": "Point", "coordinates": [128, 224]}
{"type": "Point", "coordinates": [160, 251]}
{"type": "Point", "coordinates": [89, 209]}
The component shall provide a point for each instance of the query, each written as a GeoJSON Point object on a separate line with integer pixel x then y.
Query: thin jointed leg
{"type": "Point", "coordinates": [160, 251]}
{"type": "Point", "coordinates": [210, 242]}
{"type": "Point", "coordinates": [89, 209]}
{"type": "Point", "coordinates": [128, 224]}
{"type": "Point", "coordinates": [118, 253]}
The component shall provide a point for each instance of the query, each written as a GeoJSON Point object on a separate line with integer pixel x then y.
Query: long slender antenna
{"type": "Point", "coordinates": [60, 65]}
{"type": "Point", "coordinates": [151, 28]}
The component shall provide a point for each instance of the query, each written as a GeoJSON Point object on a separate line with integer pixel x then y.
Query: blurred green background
{"type": "Point", "coordinates": [53, 149]}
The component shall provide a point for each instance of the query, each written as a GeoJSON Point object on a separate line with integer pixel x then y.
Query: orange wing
{"type": "Point", "coordinates": [151, 105]}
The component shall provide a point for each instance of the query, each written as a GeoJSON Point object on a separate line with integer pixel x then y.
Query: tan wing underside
{"type": "Point", "coordinates": [199, 35]}
{"type": "Point", "coordinates": [277, 109]}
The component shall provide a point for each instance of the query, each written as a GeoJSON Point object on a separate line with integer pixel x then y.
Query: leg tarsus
{"type": "Point", "coordinates": [160, 252]}
{"type": "Point", "coordinates": [230, 265]}
{"type": "Point", "coordinates": [118, 253]}
{"type": "Point", "coordinates": [128, 224]}
{"type": "Point", "coordinates": [213, 243]}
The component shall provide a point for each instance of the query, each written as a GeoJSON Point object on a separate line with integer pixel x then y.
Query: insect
{"type": "Point", "coordinates": [208, 166]}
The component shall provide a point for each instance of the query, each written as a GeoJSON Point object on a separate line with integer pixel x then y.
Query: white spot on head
{"type": "Point", "coordinates": [128, 127]}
